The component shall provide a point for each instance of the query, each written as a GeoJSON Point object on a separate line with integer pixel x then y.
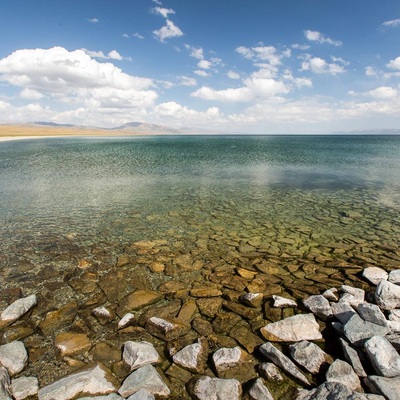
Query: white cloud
{"type": "Point", "coordinates": [125, 35]}
{"type": "Point", "coordinates": [73, 77]}
{"type": "Point", "coordinates": [300, 46]}
{"type": "Point", "coordinates": [394, 64]}
{"type": "Point", "coordinates": [315, 36]}
{"type": "Point", "coordinates": [202, 73]}
{"type": "Point", "coordinates": [370, 71]}
{"type": "Point", "coordinates": [383, 92]}
{"type": "Point", "coordinates": [233, 75]}
{"type": "Point", "coordinates": [204, 64]}
{"type": "Point", "coordinates": [137, 35]}
{"type": "Point", "coordinates": [320, 66]}
{"type": "Point", "coordinates": [93, 20]}
{"type": "Point", "coordinates": [197, 52]}
{"type": "Point", "coordinates": [231, 95]}
{"type": "Point", "coordinates": [112, 55]}
{"type": "Point", "coordinates": [392, 23]}
{"type": "Point", "coordinates": [187, 81]}
{"type": "Point", "coordinates": [163, 11]}
{"type": "Point", "coordinates": [263, 53]}
{"type": "Point", "coordinates": [157, 2]}
{"type": "Point", "coordinates": [169, 30]}
{"type": "Point", "coordinates": [31, 94]}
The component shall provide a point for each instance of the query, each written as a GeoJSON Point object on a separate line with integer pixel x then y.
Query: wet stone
{"type": "Point", "coordinates": [342, 372]}
{"type": "Point", "coordinates": [282, 302]}
{"type": "Point", "coordinates": [193, 357]}
{"type": "Point", "coordinates": [225, 321]}
{"type": "Point", "coordinates": [71, 344]}
{"type": "Point", "coordinates": [60, 318]}
{"type": "Point", "coordinates": [239, 309]}
{"type": "Point", "coordinates": [166, 329]}
{"type": "Point", "coordinates": [103, 315]}
{"type": "Point", "coordinates": [252, 299]}
{"type": "Point", "coordinates": [205, 292]}
{"type": "Point", "coordinates": [137, 300]}
{"type": "Point", "coordinates": [14, 357]}
{"type": "Point", "coordinates": [179, 373]}
{"type": "Point", "coordinates": [209, 306]}
{"type": "Point", "coordinates": [127, 320]}
{"type": "Point", "coordinates": [245, 336]}
{"type": "Point", "coordinates": [202, 327]}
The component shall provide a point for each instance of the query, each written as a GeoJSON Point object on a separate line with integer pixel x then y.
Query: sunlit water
{"type": "Point", "coordinates": [117, 191]}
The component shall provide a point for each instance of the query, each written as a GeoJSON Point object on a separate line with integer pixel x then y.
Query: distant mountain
{"type": "Point", "coordinates": [53, 124]}
{"type": "Point", "coordinates": [386, 131]}
{"type": "Point", "coordinates": [146, 127]}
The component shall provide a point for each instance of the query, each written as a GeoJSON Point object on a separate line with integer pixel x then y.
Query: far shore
{"type": "Point", "coordinates": [17, 132]}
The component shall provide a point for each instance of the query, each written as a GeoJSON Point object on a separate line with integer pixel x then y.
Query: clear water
{"type": "Point", "coordinates": [117, 191]}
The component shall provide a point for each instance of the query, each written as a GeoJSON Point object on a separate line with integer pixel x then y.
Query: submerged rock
{"type": "Point", "coordinates": [293, 329]}
{"type": "Point", "coordinates": [166, 329]}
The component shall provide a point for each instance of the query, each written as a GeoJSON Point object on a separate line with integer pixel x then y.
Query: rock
{"type": "Point", "coordinates": [293, 329]}
{"type": "Point", "coordinates": [308, 355]}
{"type": "Point", "coordinates": [343, 311]}
{"type": "Point", "coordinates": [94, 381]}
{"type": "Point", "coordinates": [388, 387]}
{"type": "Point", "coordinates": [270, 371]}
{"type": "Point", "coordinates": [279, 359]}
{"type": "Point", "coordinates": [375, 275]}
{"type": "Point", "coordinates": [138, 299]}
{"type": "Point", "coordinates": [177, 372]}
{"type": "Point", "coordinates": [111, 396]}
{"type": "Point", "coordinates": [5, 388]}
{"type": "Point", "coordinates": [394, 276]}
{"type": "Point", "coordinates": [234, 363]}
{"type": "Point", "coordinates": [225, 321]}
{"type": "Point", "coordinates": [146, 378]}
{"type": "Point", "coordinates": [103, 315]}
{"type": "Point", "coordinates": [282, 302]}
{"type": "Point", "coordinates": [187, 312]}
{"type": "Point", "coordinates": [357, 331]}
{"type": "Point", "coordinates": [24, 387]}
{"type": "Point", "coordinates": [193, 357]}
{"type": "Point", "coordinates": [245, 336]}
{"type": "Point", "coordinates": [206, 388]}
{"type": "Point", "coordinates": [142, 395]}
{"type": "Point", "coordinates": [60, 318]}
{"type": "Point", "coordinates": [371, 313]}
{"type": "Point", "coordinates": [16, 310]}
{"type": "Point", "coordinates": [387, 295]}
{"type": "Point", "coordinates": [394, 315]}
{"type": "Point", "coordinates": [209, 306]}
{"type": "Point", "coordinates": [258, 391]}
{"type": "Point", "coordinates": [239, 309]}
{"type": "Point", "coordinates": [383, 356]}
{"type": "Point", "coordinates": [319, 305]}
{"type": "Point", "coordinates": [393, 326]}
{"type": "Point", "coordinates": [166, 329]}
{"type": "Point", "coordinates": [252, 299]}
{"type": "Point", "coordinates": [359, 294]}
{"type": "Point", "coordinates": [14, 357]}
{"type": "Point", "coordinates": [331, 294]}
{"type": "Point", "coordinates": [205, 292]}
{"type": "Point", "coordinates": [138, 354]}
{"type": "Point", "coordinates": [126, 320]}
{"type": "Point", "coordinates": [352, 357]}
{"type": "Point", "coordinates": [328, 390]}
{"type": "Point", "coordinates": [342, 372]}
{"type": "Point", "coordinates": [70, 344]}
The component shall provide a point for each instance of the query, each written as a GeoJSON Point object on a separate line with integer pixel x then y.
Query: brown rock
{"type": "Point", "coordinates": [202, 327]}
{"type": "Point", "coordinates": [187, 312]}
{"type": "Point", "coordinates": [243, 311]}
{"type": "Point", "coordinates": [169, 310]}
{"type": "Point", "coordinates": [225, 321]}
{"type": "Point", "coordinates": [16, 332]}
{"type": "Point", "coordinates": [60, 318]}
{"type": "Point", "coordinates": [71, 344]}
{"type": "Point", "coordinates": [171, 287]}
{"type": "Point", "coordinates": [252, 299]}
{"type": "Point", "coordinates": [205, 292]}
{"type": "Point", "coordinates": [137, 300]}
{"type": "Point", "coordinates": [209, 306]}
{"type": "Point", "coordinates": [245, 273]}
{"type": "Point", "coordinates": [105, 353]}
{"type": "Point", "coordinates": [166, 329]}
{"type": "Point", "coordinates": [114, 285]}
{"type": "Point", "coordinates": [157, 267]}
{"type": "Point", "coordinates": [177, 372]}
{"type": "Point", "coordinates": [234, 282]}
{"type": "Point", "coordinates": [245, 336]}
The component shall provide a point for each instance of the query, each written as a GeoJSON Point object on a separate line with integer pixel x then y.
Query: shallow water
{"type": "Point", "coordinates": [301, 202]}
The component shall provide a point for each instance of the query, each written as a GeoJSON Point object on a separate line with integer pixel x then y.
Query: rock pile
{"type": "Point", "coordinates": [174, 354]}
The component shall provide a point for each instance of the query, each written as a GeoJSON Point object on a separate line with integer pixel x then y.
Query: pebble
{"type": "Point", "coordinates": [282, 302]}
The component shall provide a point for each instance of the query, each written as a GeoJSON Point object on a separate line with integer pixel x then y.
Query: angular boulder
{"type": "Point", "coordinates": [308, 355]}
{"type": "Point", "coordinates": [319, 305]}
{"type": "Point", "coordinates": [357, 331]}
{"type": "Point", "coordinates": [206, 388]}
{"type": "Point", "coordinates": [375, 275]}
{"type": "Point", "coordinates": [293, 329]}
{"type": "Point", "coordinates": [24, 387]}
{"type": "Point", "coordinates": [342, 372]}
{"type": "Point", "coordinates": [166, 329]}
{"type": "Point", "coordinates": [14, 357]}
{"type": "Point", "coordinates": [193, 357]}
{"type": "Point", "coordinates": [387, 295]}
{"type": "Point", "coordinates": [5, 382]}
{"type": "Point", "coordinates": [138, 354]}
{"type": "Point", "coordinates": [258, 391]}
{"type": "Point", "coordinates": [388, 387]}
{"type": "Point", "coordinates": [16, 310]}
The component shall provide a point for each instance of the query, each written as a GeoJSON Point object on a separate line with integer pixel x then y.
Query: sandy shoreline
{"type": "Point", "coordinates": [19, 132]}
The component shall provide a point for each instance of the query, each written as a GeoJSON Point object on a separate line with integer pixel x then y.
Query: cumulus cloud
{"type": "Point", "coordinates": [394, 64]}
{"type": "Point", "coordinates": [263, 53]}
{"type": "Point", "coordinates": [31, 94]}
{"type": "Point", "coordinates": [383, 92]}
{"type": "Point", "coordinates": [315, 36]}
{"type": "Point", "coordinates": [202, 73]}
{"type": "Point", "coordinates": [392, 23]}
{"type": "Point", "coordinates": [371, 71]}
{"type": "Point", "coordinates": [204, 64]}
{"type": "Point", "coordinates": [187, 81]}
{"type": "Point", "coordinates": [169, 30]}
{"type": "Point", "coordinates": [320, 66]}
{"type": "Point", "coordinates": [233, 75]}
{"type": "Point", "coordinates": [112, 55]}
{"type": "Point", "coordinates": [163, 11]}
{"type": "Point", "coordinates": [300, 46]}
{"type": "Point", "coordinates": [73, 77]}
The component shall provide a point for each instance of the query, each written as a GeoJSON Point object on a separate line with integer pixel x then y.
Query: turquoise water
{"type": "Point", "coordinates": [84, 192]}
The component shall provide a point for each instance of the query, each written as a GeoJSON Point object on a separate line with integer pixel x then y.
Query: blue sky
{"type": "Point", "coordinates": [256, 66]}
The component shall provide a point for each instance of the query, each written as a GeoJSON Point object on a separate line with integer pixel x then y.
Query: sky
{"type": "Point", "coordinates": [250, 66]}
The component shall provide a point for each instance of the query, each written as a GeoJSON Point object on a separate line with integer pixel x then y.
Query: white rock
{"type": "Point", "coordinates": [394, 315]}
{"type": "Point", "coordinates": [226, 358]}
{"type": "Point", "coordinates": [146, 378]}
{"type": "Point", "coordinates": [24, 387]}
{"type": "Point", "coordinates": [375, 275]}
{"type": "Point", "coordinates": [389, 387]}
{"type": "Point", "coordinates": [279, 359]}
{"type": "Point", "coordinates": [331, 294]}
{"type": "Point", "coordinates": [259, 391]}
{"type": "Point", "coordinates": [308, 355]}
{"type": "Point", "coordinates": [394, 276]}
{"type": "Point", "coordinates": [352, 357]}
{"type": "Point", "coordinates": [342, 372]}
{"type": "Point", "coordinates": [271, 372]}
{"type": "Point", "coordinates": [13, 356]}
{"type": "Point", "coordinates": [371, 313]}
{"type": "Point", "coordinates": [111, 396]}
{"type": "Point", "coordinates": [387, 295]}
{"type": "Point", "coordinates": [193, 357]}
{"type": "Point", "coordinates": [356, 292]}
{"type": "Point", "coordinates": [206, 388]}
{"type": "Point", "coordinates": [394, 326]}
{"type": "Point", "coordinates": [293, 329]}
{"type": "Point", "coordinates": [383, 356]}
{"type": "Point", "coordinates": [126, 320]}
{"type": "Point", "coordinates": [282, 302]}
{"type": "Point", "coordinates": [17, 309]}
{"type": "Point", "coordinates": [319, 305]}
{"type": "Point", "coordinates": [94, 381]}
{"type": "Point", "coordinates": [350, 299]}
{"type": "Point", "coordinates": [343, 311]}
{"type": "Point", "coordinates": [103, 314]}
{"type": "Point", "coordinates": [142, 395]}
{"type": "Point", "coordinates": [5, 385]}
{"type": "Point", "coordinates": [138, 354]}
